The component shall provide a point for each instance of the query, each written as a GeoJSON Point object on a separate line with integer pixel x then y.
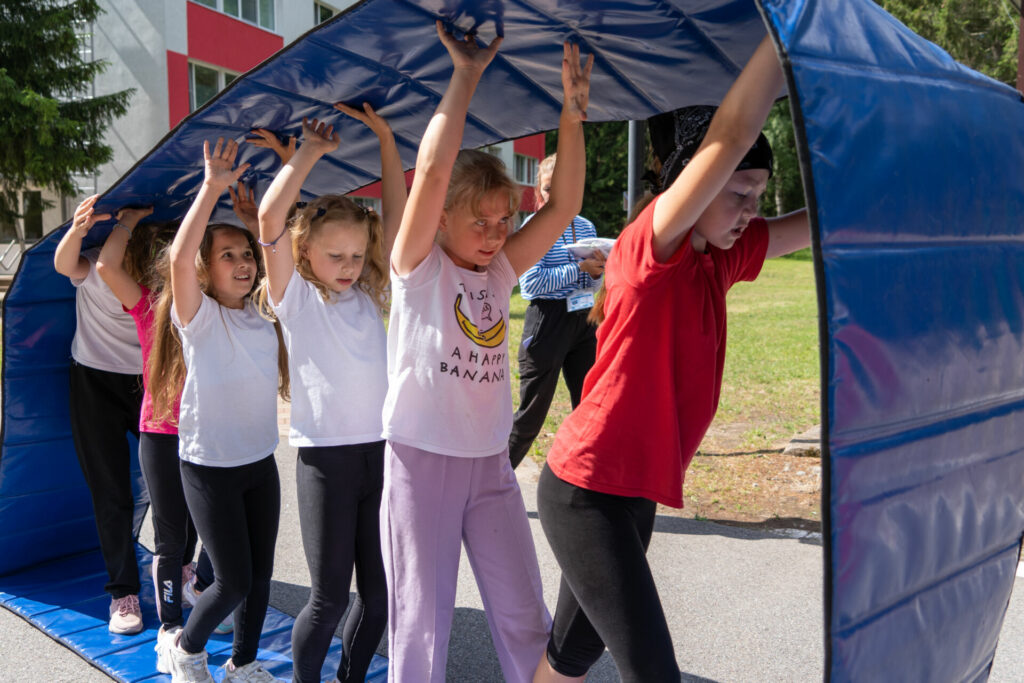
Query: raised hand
{"type": "Point", "coordinates": [368, 116]}
{"type": "Point", "coordinates": [130, 217]}
{"type": "Point", "coordinates": [220, 171]}
{"type": "Point", "coordinates": [575, 82]}
{"type": "Point", "coordinates": [268, 140]}
{"type": "Point", "coordinates": [243, 202]}
{"type": "Point", "coordinates": [85, 217]}
{"type": "Point", "coordinates": [593, 266]}
{"type": "Point", "coordinates": [319, 136]}
{"type": "Point", "coordinates": [466, 53]}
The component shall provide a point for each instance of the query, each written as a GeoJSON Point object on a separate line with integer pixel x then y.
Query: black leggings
{"type": "Point", "coordinates": [173, 532]}
{"type": "Point", "coordinates": [236, 511]}
{"type": "Point", "coordinates": [104, 409]}
{"type": "Point", "coordinates": [554, 340]}
{"type": "Point", "coordinates": [607, 595]}
{"type": "Point", "coordinates": [339, 491]}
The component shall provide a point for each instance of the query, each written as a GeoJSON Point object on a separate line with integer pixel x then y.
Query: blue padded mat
{"type": "Point", "coordinates": [64, 598]}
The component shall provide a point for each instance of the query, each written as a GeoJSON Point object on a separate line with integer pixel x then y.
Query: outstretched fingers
{"type": "Point", "coordinates": [576, 80]}
{"type": "Point", "coordinates": [219, 163]}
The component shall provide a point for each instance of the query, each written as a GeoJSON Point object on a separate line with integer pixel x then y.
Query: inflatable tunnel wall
{"type": "Point", "coordinates": [911, 163]}
{"type": "Point", "coordinates": [915, 164]}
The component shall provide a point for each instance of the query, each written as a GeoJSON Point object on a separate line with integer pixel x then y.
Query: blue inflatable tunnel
{"type": "Point", "coordinates": [911, 166]}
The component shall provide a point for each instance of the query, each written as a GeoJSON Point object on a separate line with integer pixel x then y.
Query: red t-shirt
{"type": "Point", "coordinates": [143, 314]}
{"type": "Point", "coordinates": [653, 390]}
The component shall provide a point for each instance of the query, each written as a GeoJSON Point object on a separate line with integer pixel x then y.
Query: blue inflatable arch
{"type": "Point", "coordinates": [911, 165]}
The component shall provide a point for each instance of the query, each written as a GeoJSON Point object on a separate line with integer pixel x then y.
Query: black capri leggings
{"type": "Point", "coordinates": [236, 511]}
{"type": "Point", "coordinates": [607, 594]}
{"type": "Point", "coordinates": [339, 490]}
{"type": "Point", "coordinates": [173, 531]}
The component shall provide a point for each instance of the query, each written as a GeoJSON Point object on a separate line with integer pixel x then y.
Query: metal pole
{"type": "Point", "coordinates": [635, 161]}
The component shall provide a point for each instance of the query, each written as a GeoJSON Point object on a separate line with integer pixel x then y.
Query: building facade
{"type": "Point", "coordinates": [178, 54]}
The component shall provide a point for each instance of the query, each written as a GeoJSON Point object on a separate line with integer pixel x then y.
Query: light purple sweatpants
{"type": "Point", "coordinates": [432, 503]}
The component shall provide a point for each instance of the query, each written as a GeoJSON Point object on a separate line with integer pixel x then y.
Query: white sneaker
{"type": "Point", "coordinates": [164, 644]}
{"type": "Point", "coordinates": [189, 595]}
{"type": "Point", "coordinates": [253, 672]}
{"type": "Point", "coordinates": [125, 615]}
{"type": "Point", "coordinates": [187, 668]}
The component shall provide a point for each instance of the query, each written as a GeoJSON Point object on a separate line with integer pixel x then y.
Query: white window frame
{"type": "Point", "coordinates": [371, 203]}
{"type": "Point", "coordinates": [219, 6]}
{"type": "Point", "coordinates": [529, 165]}
{"type": "Point", "coordinates": [316, 12]}
{"type": "Point", "coordinates": [222, 81]}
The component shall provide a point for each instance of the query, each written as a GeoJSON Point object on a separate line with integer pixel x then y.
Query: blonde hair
{"type": "Point", "coordinates": [546, 167]}
{"type": "Point", "coordinates": [477, 174]}
{"type": "Point", "coordinates": [167, 363]}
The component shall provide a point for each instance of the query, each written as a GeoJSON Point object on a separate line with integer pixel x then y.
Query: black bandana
{"type": "Point", "coordinates": [676, 136]}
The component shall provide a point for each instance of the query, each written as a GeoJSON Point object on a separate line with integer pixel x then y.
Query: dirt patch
{"type": "Point", "coordinates": [757, 489]}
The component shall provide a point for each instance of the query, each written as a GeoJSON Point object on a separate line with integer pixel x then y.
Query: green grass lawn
{"type": "Point", "coordinates": [770, 391]}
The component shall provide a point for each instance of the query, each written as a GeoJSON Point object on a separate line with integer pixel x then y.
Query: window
{"type": "Point", "coordinates": [33, 215]}
{"type": "Point", "coordinates": [322, 12]}
{"type": "Point", "coordinates": [259, 12]}
{"type": "Point", "coordinates": [31, 220]}
{"type": "Point", "coordinates": [525, 170]}
{"type": "Point", "coordinates": [371, 203]}
{"type": "Point", "coordinates": [493, 150]}
{"type": "Point", "coordinates": [204, 82]}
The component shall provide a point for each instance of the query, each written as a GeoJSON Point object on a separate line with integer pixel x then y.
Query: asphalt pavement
{"type": "Point", "coordinates": [742, 605]}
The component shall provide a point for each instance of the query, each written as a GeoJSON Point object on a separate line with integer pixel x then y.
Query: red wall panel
{"type": "Point", "coordinates": [177, 86]}
{"type": "Point", "coordinates": [531, 145]}
{"type": "Point", "coordinates": [222, 40]}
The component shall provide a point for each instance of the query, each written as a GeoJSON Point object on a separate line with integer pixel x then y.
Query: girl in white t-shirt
{"type": "Point", "coordinates": [448, 411]}
{"type": "Point", "coordinates": [105, 394]}
{"type": "Point", "coordinates": [326, 281]}
{"type": "Point", "coordinates": [227, 425]}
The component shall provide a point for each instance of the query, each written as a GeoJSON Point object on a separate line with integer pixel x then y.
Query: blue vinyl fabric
{"type": "Point", "coordinates": [65, 598]}
{"type": "Point", "coordinates": [911, 164]}
{"type": "Point", "coordinates": [914, 171]}
{"type": "Point", "coordinates": [385, 52]}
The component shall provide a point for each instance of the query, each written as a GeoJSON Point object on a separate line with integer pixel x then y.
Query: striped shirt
{"type": "Point", "coordinates": [558, 274]}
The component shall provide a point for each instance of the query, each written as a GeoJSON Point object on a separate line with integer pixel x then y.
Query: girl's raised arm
{"type": "Point", "coordinates": [438, 149]}
{"type": "Point", "coordinates": [318, 139]}
{"type": "Point", "coordinates": [392, 177]}
{"type": "Point", "coordinates": [110, 263]}
{"type": "Point", "coordinates": [732, 132]}
{"type": "Point", "coordinates": [529, 245]}
{"type": "Point", "coordinates": [219, 176]}
{"type": "Point", "coordinates": [68, 259]}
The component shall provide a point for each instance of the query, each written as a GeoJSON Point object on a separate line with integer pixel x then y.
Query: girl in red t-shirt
{"type": "Point", "coordinates": [654, 387]}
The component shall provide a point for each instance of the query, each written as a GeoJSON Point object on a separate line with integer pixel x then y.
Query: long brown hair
{"type": "Point", "coordinates": [596, 315]}
{"type": "Point", "coordinates": [143, 250]}
{"type": "Point", "coordinates": [166, 361]}
{"type": "Point", "coordinates": [308, 221]}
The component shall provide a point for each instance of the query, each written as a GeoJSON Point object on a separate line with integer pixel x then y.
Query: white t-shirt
{"type": "Point", "coordinates": [105, 336]}
{"type": "Point", "coordinates": [337, 360]}
{"type": "Point", "coordinates": [228, 412]}
{"type": "Point", "coordinates": [448, 376]}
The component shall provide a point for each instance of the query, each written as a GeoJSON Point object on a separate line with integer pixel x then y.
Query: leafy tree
{"type": "Point", "coordinates": [607, 157]}
{"type": "Point", "coordinates": [983, 34]}
{"type": "Point", "coordinates": [50, 129]}
{"type": "Point", "coordinates": [785, 189]}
